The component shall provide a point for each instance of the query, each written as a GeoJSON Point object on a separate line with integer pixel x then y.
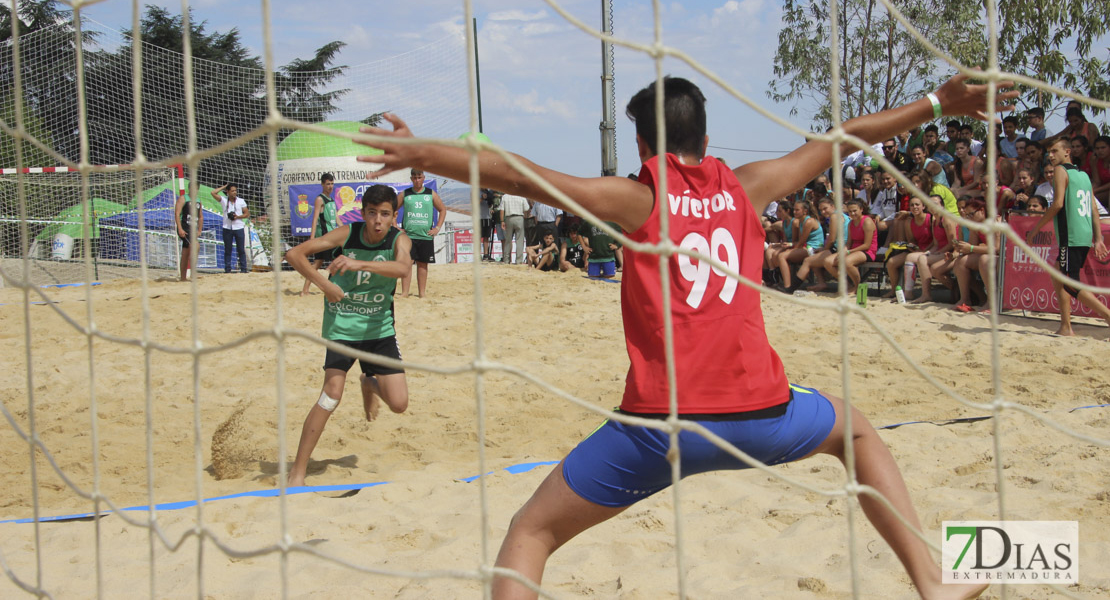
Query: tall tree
{"type": "Point", "coordinates": [1056, 42]}
{"type": "Point", "coordinates": [229, 97]}
{"type": "Point", "coordinates": [881, 65]}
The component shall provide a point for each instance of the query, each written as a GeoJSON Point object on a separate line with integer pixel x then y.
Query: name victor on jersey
{"type": "Point", "coordinates": [701, 207]}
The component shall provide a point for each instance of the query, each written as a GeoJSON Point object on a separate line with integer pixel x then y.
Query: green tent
{"type": "Point", "coordinates": [71, 220]}
{"type": "Point", "coordinates": [71, 223]}
{"type": "Point", "coordinates": [309, 144]}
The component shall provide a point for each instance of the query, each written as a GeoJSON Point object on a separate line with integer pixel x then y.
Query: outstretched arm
{"type": "Point", "coordinates": [769, 179]}
{"type": "Point", "coordinates": [618, 199]}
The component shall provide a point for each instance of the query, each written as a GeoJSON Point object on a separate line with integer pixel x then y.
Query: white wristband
{"type": "Point", "coordinates": [936, 104]}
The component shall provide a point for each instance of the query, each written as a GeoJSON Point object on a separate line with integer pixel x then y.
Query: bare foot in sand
{"type": "Point", "coordinates": [922, 300]}
{"type": "Point", "coordinates": [371, 396]}
{"type": "Point", "coordinates": [818, 287]}
{"type": "Point", "coordinates": [294, 481]}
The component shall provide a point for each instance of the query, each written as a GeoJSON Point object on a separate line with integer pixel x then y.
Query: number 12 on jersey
{"type": "Point", "coordinates": [700, 273]}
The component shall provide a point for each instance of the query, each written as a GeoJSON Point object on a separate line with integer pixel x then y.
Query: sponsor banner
{"type": "Point", "coordinates": [465, 246]}
{"type": "Point", "coordinates": [348, 202]}
{"type": "Point", "coordinates": [1026, 286]}
{"type": "Point", "coordinates": [1011, 552]}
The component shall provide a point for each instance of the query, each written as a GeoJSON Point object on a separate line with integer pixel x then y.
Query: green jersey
{"type": "Point", "coordinates": [1073, 222]}
{"type": "Point", "coordinates": [366, 310]}
{"type": "Point", "coordinates": [328, 216]}
{"type": "Point", "coordinates": [418, 214]}
{"type": "Point", "coordinates": [599, 241]}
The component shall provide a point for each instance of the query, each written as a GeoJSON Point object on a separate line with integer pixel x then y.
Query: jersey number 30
{"type": "Point", "coordinates": [700, 273]}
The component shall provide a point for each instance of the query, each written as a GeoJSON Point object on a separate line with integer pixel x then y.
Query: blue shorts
{"type": "Point", "coordinates": [619, 465]}
{"type": "Point", "coordinates": [602, 269]}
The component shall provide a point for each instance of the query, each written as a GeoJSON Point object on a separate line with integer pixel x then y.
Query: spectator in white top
{"type": "Point", "coordinates": [235, 210]}
{"type": "Point", "coordinates": [967, 133]}
{"type": "Point", "coordinates": [547, 219]}
{"type": "Point", "coordinates": [512, 222]}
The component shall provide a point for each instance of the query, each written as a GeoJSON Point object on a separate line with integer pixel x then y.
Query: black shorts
{"type": "Point", "coordinates": [423, 251]}
{"type": "Point", "coordinates": [324, 257]}
{"type": "Point", "coordinates": [487, 228]}
{"type": "Point", "coordinates": [386, 347]}
{"type": "Point", "coordinates": [186, 242]}
{"type": "Point", "coordinates": [1071, 260]}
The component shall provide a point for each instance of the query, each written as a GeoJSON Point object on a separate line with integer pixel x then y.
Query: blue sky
{"type": "Point", "coordinates": [540, 75]}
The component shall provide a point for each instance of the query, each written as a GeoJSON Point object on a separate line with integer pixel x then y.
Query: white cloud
{"type": "Point", "coordinates": [516, 15]}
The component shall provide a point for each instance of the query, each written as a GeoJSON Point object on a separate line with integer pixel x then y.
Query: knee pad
{"type": "Point", "coordinates": [326, 402]}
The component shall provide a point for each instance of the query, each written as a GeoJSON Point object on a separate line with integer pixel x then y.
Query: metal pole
{"type": "Point", "coordinates": [477, 72]}
{"type": "Point", "coordinates": [608, 123]}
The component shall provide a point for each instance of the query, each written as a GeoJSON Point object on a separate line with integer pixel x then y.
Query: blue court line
{"type": "Point", "coordinates": [269, 493]}
{"type": "Point", "coordinates": [62, 285]}
{"type": "Point", "coordinates": [514, 469]}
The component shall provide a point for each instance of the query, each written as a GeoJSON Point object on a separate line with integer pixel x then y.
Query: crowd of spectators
{"type": "Point", "coordinates": [882, 218]}
{"type": "Point", "coordinates": [883, 221]}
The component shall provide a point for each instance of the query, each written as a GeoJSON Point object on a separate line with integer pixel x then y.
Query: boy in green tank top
{"type": "Point", "coordinates": [324, 219]}
{"type": "Point", "coordinates": [1077, 230]}
{"type": "Point", "coordinates": [419, 223]}
{"type": "Point", "coordinates": [358, 313]}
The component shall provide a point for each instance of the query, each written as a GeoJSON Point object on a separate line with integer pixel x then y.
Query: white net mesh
{"type": "Point", "coordinates": [176, 561]}
{"type": "Point", "coordinates": [115, 228]}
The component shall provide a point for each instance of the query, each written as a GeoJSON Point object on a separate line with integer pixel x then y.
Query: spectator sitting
{"type": "Point", "coordinates": [1035, 117]}
{"type": "Point", "coordinates": [1081, 156]}
{"type": "Point", "coordinates": [968, 169]}
{"type": "Point", "coordinates": [867, 188]}
{"type": "Point", "coordinates": [896, 158]}
{"type": "Point", "coordinates": [572, 255]}
{"type": "Point", "coordinates": [1007, 143]}
{"type": "Point", "coordinates": [967, 133]}
{"type": "Point", "coordinates": [972, 257]}
{"type": "Point", "coordinates": [930, 140]}
{"type": "Point", "coordinates": [1100, 180]}
{"type": "Point", "coordinates": [941, 269]}
{"type": "Point", "coordinates": [543, 256]}
{"type": "Point", "coordinates": [779, 238]}
{"type": "Point", "coordinates": [930, 166]}
{"type": "Point", "coordinates": [920, 225]}
{"type": "Point", "coordinates": [938, 252]}
{"type": "Point", "coordinates": [835, 229]}
{"type": "Point", "coordinates": [886, 204]}
{"type": "Point", "coordinates": [863, 241]}
{"type": "Point", "coordinates": [809, 237]}
{"type": "Point", "coordinates": [1045, 189]}
{"type": "Point", "coordinates": [926, 184]}
{"type": "Point", "coordinates": [1037, 205]}
{"type": "Point", "coordinates": [1034, 159]}
{"type": "Point", "coordinates": [1026, 189]}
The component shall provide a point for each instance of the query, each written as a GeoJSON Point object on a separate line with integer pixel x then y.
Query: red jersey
{"type": "Point", "coordinates": [723, 362]}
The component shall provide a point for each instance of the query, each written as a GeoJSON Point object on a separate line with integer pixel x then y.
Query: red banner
{"type": "Point", "coordinates": [1026, 286]}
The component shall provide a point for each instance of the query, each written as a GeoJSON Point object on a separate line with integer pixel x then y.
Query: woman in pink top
{"type": "Point", "coordinates": [863, 241]}
{"type": "Point", "coordinates": [921, 236]}
{"type": "Point", "coordinates": [1101, 172]}
{"type": "Point", "coordinates": [944, 233]}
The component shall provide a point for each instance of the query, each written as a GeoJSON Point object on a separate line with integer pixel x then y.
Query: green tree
{"type": "Point", "coordinates": [881, 65]}
{"type": "Point", "coordinates": [1055, 42]}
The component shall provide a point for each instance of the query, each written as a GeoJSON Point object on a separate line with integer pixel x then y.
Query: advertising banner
{"type": "Point", "coordinates": [347, 197]}
{"type": "Point", "coordinates": [1026, 286]}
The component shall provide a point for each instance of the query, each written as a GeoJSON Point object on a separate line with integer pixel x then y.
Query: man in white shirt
{"type": "Point", "coordinates": [234, 210]}
{"type": "Point", "coordinates": [512, 222]}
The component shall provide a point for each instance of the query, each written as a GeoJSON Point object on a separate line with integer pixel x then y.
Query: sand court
{"type": "Point", "coordinates": [747, 534]}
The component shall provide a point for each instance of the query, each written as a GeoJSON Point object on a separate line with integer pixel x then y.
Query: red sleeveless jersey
{"type": "Point", "coordinates": [723, 361]}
